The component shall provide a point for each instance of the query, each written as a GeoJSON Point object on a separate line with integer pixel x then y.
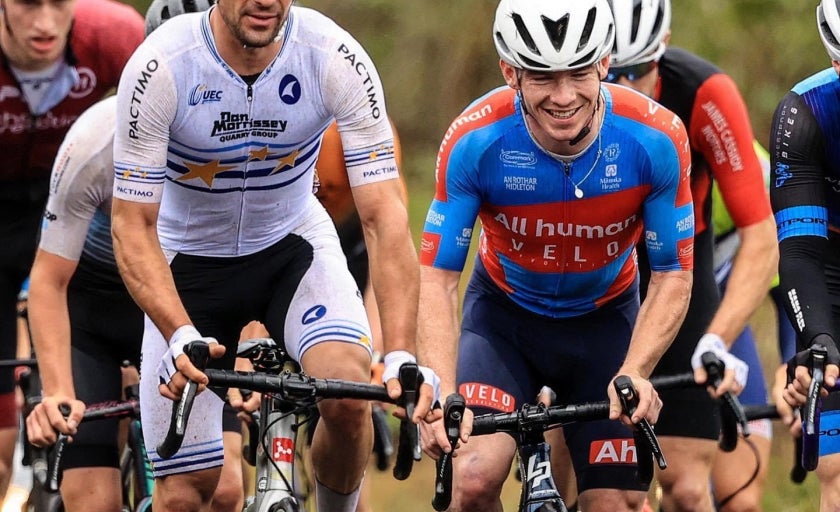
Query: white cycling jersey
{"type": "Point", "coordinates": [232, 164]}
{"type": "Point", "coordinates": [77, 219]}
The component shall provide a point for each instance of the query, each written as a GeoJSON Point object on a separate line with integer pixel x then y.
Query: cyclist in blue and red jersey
{"type": "Point", "coordinates": [566, 177]}
{"type": "Point", "coordinates": [804, 191]}
{"type": "Point", "coordinates": [49, 74]}
{"type": "Point", "coordinates": [716, 119]}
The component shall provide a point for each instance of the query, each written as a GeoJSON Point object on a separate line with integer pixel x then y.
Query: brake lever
{"type": "Point", "coordinates": [408, 449]}
{"type": "Point", "coordinates": [732, 412]}
{"type": "Point", "coordinates": [811, 409]}
{"type": "Point", "coordinates": [453, 415]}
{"type": "Point", "coordinates": [647, 445]}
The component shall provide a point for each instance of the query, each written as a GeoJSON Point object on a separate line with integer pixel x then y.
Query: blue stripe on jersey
{"type": "Point", "coordinates": [802, 221]}
{"type": "Point", "coordinates": [824, 77]}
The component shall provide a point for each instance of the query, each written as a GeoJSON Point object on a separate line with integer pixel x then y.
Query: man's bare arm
{"type": "Point", "coordinates": [143, 267]}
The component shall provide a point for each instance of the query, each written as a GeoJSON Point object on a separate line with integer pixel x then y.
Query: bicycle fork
{"type": "Point", "coordinates": [539, 492]}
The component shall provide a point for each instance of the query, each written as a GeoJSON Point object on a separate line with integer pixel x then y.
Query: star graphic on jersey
{"type": "Point", "coordinates": [375, 153]}
{"type": "Point", "coordinates": [206, 172]}
{"type": "Point", "coordinates": [128, 172]}
{"type": "Point", "coordinates": [258, 154]}
{"type": "Point", "coordinates": [286, 161]}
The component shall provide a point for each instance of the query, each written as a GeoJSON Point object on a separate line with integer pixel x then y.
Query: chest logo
{"type": "Point", "coordinates": [289, 90]}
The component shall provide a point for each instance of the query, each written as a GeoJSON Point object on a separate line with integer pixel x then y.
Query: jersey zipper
{"type": "Point", "coordinates": [250, 93]}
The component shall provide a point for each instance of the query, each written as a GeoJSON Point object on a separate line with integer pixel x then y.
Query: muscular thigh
{"type": "Point", "coordinates": [505, 355]}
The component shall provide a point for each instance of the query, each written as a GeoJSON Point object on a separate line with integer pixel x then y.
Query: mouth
{"type": "Point", "coordinates": [562, 115]}
{"type": "Point", "coordinates": [43, 44]}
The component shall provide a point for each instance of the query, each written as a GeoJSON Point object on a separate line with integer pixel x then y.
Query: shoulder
{"type": "Point", "coordinates": [85, 160]}
{"type": "Point", "coordinates": [632, 106]}
{"type": "Point", "coordinates": [495, 106]}
{"type": "Point", "coordinates": [314, 29]}
{"type": "Point", "coordinates": [685, 68]}
{"type": "Point", "coordinates": [109, 16]}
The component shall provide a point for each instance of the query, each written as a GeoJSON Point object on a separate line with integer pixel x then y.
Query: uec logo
{"type": "Point", "coordinates": [289, 90]}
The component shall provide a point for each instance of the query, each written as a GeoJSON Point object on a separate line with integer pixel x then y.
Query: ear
{"type": "Point", "coordinates": [602, 66]}
{"type": "Point", "coordinates": [509, 74]}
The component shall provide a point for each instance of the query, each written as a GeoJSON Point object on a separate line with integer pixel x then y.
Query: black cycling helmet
{"type": "Point", "coordinates": [162, 10]}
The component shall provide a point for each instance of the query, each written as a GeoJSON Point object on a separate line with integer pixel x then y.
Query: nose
{"type": "Point", "coordinates": [563, 91]}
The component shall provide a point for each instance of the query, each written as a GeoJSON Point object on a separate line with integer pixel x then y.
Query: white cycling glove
{"type": "Point", "coordinates": [393, 361]}
{"type": "Point", "coordinates": [714, 343]}
{"type": "Point", "coordinates": [180, 338]}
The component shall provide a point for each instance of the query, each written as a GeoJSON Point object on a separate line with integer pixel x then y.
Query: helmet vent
{"type": "Point", "coordinates": [583, 42]}
{"type": "Point", "coordinates": [556, 30]}
{"type": "Point", "coordinates": [828, 34]}
{"type": "Point", "coordinates": [522, 30]}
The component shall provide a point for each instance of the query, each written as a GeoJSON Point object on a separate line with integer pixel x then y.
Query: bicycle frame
{"type": "Point", "coordinates": [275, 467]}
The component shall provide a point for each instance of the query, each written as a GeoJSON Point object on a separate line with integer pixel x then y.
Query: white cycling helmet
{"type": "Point", "coordinates": [553, 35]}
{"type": "Point", "coordinates": [162, 10]}
{"type": "Point", "coordinates": [828, 23]}
{"type": "Point", "coordinates": [640, 30]}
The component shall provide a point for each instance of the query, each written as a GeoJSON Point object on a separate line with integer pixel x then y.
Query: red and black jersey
{"type": "Point", "coordinates": [104, 35]}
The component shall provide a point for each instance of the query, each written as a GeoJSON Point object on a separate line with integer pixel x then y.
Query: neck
{"type": "Point", "coordinates": [244, 60]}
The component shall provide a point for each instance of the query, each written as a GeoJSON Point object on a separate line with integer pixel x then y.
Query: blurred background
{"type": "Point", "coordinates": [436, 56]}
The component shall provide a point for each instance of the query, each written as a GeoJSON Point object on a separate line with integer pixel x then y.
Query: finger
{"type": "Point", "coordinates": [164, 390]}
{"type": "Point", "coordinates": [77, 412]}
{"type": "Point", "coordinates": [424, 404]}
{"type": "Point", "coordinates": [253, 403]}
{"type": "Point", "coordinates": [466, 426]}
{"type": "Point", "coordinates": [217, 350]}
{"type": "Point", "coordinates": [185, 366]}
{"type": "Point", "coordinates": [726, 384]}
{"type": "Point", "coordinates": [440, 437]}
{"type": "Point", "coordinates": [235, 398]}
{"type": "Point", "coordinates": [700, 375]}
{"type": "Point", "coordinates": [831, 372]}
{"type": "Point", "coordinates": [394, 389]}
{"type": "Point", "coordinates": [615, 405]}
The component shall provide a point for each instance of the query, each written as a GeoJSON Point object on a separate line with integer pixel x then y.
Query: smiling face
{"type": "Point", "coordinates": [254, 23]}
{"type": "Point", "coordinates": [34, 33]}
{"type": "Point", "coordinates": [559, 103]}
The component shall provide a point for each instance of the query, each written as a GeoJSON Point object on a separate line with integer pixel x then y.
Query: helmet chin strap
{"type": "Point", "coordinates": [588, 127]}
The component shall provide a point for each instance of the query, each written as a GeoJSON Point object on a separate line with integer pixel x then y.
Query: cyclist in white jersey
{"type": "Point", "coordinates": [77, 294]}
{"type": "Point", "coordinates": [219, 122]}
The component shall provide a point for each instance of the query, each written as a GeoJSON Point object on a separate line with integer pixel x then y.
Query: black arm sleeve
{"type": "Point", "coordinates": [797, 195]}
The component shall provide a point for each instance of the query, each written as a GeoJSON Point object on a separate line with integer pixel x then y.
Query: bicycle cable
{"type": "Point", "coordinates": [295, 426]}
{"type": "Point", "coordinates": [752, 478]}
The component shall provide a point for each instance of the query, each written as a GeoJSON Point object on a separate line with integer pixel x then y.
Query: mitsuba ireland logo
{"type": "Point", "coordinates": [201, 94]}
{"type": "Point", "coordinates": [289, 90]}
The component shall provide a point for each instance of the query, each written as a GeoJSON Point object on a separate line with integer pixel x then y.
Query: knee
{"type": "Point", "coordinates": [348, 415]}
{"type": "Point", "coordinates": [748, 500]}
{"type": "Point", "coordinates": [686, 493]}
{"type": "Point", "coordinates": [229, 496]}
{"type": "Point", "coordinates": [475, 490]}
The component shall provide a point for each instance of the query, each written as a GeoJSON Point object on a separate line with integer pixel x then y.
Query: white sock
{"type": "Point", "coordinates": [331, 501]}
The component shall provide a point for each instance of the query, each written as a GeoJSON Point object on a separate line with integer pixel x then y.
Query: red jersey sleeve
{"type": "Point", "coordinates": [720, 130]}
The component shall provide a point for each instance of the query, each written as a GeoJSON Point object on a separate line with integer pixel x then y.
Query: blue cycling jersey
{"type": "Point", "coordinates": [555, 253]}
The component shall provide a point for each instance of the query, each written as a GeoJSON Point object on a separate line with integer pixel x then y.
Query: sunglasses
{"type": "Point", "coordinates": [632, 73]}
